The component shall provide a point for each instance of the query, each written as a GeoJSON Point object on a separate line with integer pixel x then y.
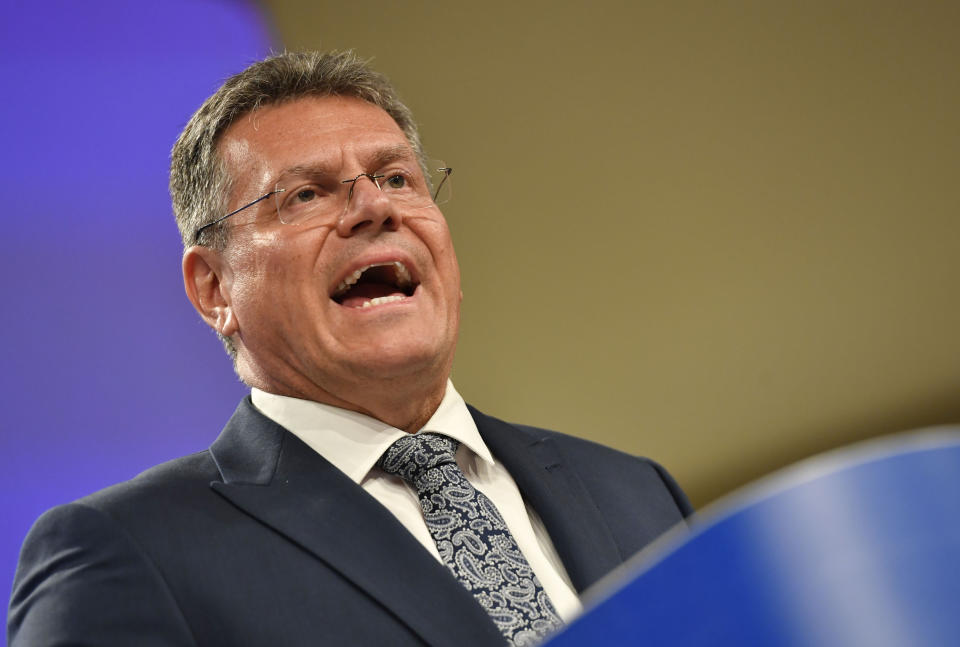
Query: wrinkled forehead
{"type": "Point", "coordinates": [334, 132]}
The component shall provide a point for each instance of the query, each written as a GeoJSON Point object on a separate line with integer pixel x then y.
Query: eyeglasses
{"type": "Point", "coordinates": [299, 198]}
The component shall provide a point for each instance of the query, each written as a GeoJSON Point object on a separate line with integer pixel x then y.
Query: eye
{"type": "Point", "coordinates": [305, 194]}
{"type": "Point", "coordinates": [300, 196]}
{"type": "Point", "coordinates": [396, 181]}
{"type": "Point", "coordinates": [301, 201]}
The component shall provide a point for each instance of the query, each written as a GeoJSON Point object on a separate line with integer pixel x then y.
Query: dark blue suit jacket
{"type": "Point", "coordinates": [261, 541]}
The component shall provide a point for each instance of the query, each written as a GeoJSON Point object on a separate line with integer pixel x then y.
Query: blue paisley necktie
{"type": "Point", "coordinates": [473, 540]}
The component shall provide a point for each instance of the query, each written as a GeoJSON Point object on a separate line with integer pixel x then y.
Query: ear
{"type": "Point", "coordinates": [207, 280]}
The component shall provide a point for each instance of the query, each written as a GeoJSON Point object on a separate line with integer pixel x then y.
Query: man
{"type": "Point", "coordinates": [315, 249]}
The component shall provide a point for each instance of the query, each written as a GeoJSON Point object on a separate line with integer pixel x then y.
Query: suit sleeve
{"type": "Point", "coordinates": [82, 580]}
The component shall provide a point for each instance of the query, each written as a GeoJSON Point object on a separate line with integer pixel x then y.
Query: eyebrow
{"type": "Point", "coordinates": [392, 154]}
{"type": "Point", "coordinates": [315, 169]}
{"type": "Point", "coordinates": [379, 158]}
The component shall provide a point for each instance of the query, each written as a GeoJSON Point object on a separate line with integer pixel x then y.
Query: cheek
{"type": "Point", "coordinates": [435, 233]}
{"type": "Point", "coordinates": [450, 269]}
{"type": "Point", "coordinates": [260, 284]}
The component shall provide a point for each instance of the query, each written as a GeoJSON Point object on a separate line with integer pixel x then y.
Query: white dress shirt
{"type": "Point", "coordinates": [354, 442]}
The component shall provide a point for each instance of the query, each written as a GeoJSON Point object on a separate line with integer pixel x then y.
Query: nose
{"type": "Point", "coordinates": [367, 208]}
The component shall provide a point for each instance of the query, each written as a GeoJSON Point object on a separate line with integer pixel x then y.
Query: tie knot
{"type": "Point", "coordinates": [414, 454]}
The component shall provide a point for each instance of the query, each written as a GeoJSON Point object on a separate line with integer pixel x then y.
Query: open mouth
{"type": "Point", "coordinates": [374, 285]}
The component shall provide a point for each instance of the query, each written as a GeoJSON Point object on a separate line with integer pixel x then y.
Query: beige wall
{"type": "Point", "coordinates": [725, 235]}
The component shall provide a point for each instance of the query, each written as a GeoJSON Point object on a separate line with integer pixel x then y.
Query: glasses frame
{"type": "Point", "coordinates": [446, 170]}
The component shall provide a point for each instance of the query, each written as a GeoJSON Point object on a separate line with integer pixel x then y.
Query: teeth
{"type": "Point", "coordinates": [351, 279]}
{"type": "Point", "coordinates": [404, 280]}
{"type": "Point", "coordinates": [403, 275]}
{"type": "Point", "coordinates": [378, 300]}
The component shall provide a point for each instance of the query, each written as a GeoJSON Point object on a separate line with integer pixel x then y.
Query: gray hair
{"type": "Point", "coordinates": [199, 182]}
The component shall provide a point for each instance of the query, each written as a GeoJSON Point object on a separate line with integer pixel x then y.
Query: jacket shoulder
{"type": "Point", "coordinates": [606, 471]}
{"type": "Point", "coordinates": [83, 578]}
{"type": "Point", "coordinates": [588, 453]}
{"type": "Point", "coordinates": [157, 486]}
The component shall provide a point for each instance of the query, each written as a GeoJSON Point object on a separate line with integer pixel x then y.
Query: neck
{"type": "Point", "coordinates": [405, 402]}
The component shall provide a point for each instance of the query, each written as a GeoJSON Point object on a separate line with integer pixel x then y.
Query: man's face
{"type": "Point", "coordinates": [296, 328]}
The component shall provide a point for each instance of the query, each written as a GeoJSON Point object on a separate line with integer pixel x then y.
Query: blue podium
{"type": "Point", "coordinates": [860, 546]}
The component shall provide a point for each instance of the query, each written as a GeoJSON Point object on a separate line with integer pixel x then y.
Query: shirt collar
{"type": "Point", "coordinates": [354, 442]}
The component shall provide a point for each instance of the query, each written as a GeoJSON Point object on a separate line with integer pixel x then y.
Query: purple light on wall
{"type": "Point", "coordinates": [106, 369]}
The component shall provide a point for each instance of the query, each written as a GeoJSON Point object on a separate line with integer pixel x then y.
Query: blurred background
{"type": "Point", "coordinates": [723, 235]}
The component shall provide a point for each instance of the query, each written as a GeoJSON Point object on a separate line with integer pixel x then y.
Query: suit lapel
{"type": "Point", "coordinates": [578, 531]}
{"type": "Point", "coordinates": [273, 476]}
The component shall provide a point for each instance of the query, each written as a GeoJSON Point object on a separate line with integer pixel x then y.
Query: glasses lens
{"type": "Point", "coordinates": [299, 201]}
